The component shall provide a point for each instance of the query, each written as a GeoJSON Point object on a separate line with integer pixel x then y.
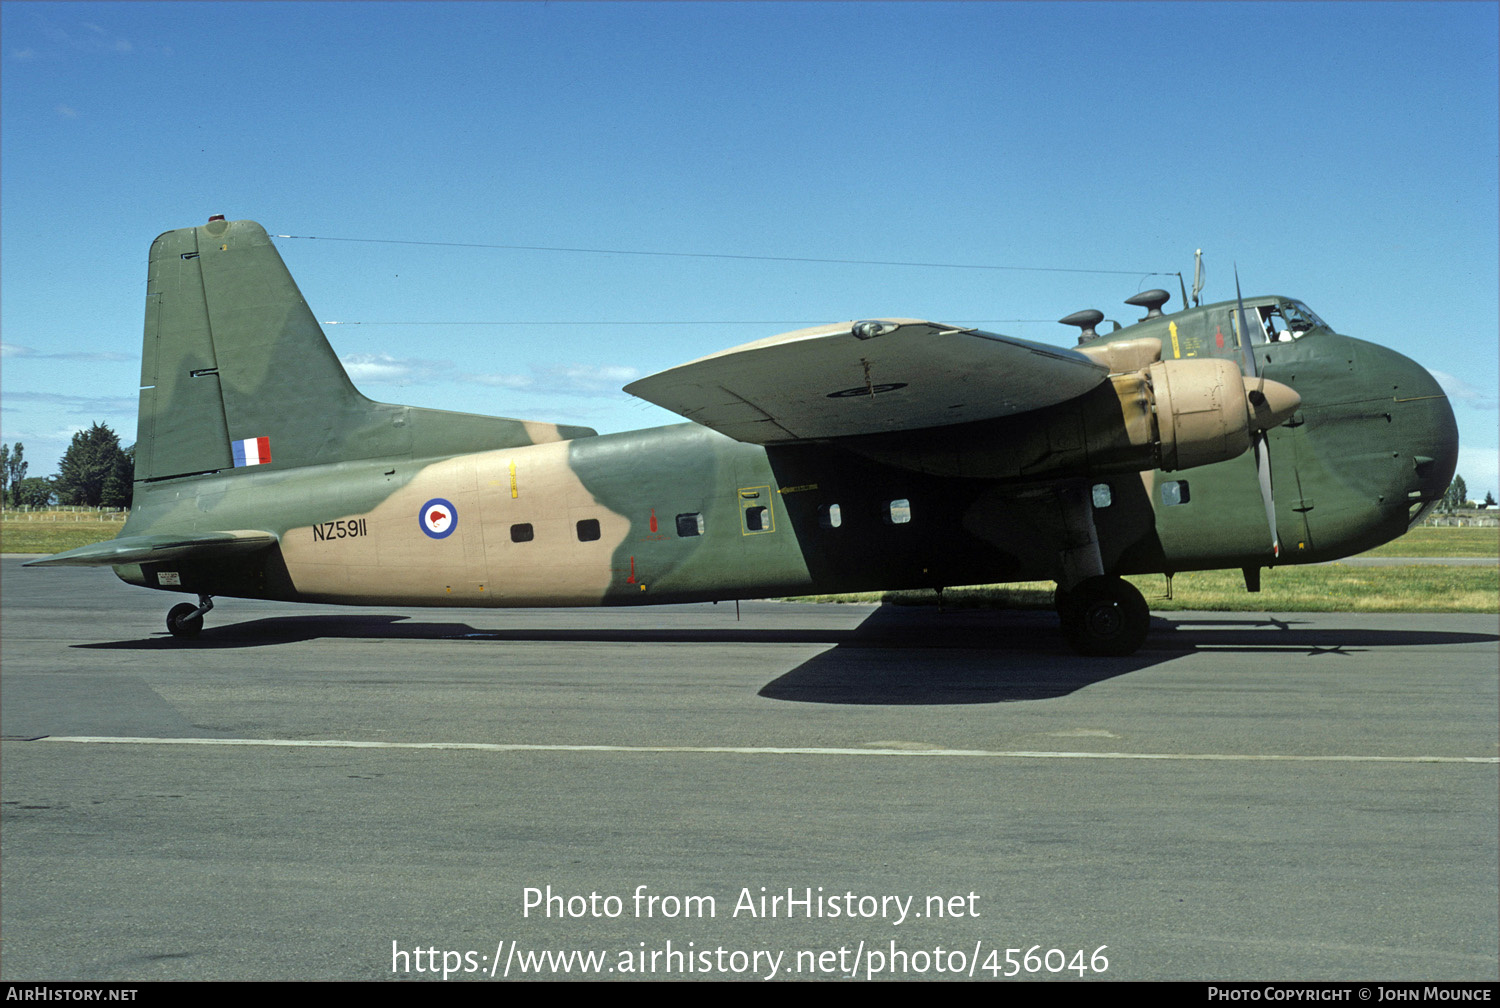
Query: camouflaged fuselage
{"type": "Point", "coordinates": [262, 472]}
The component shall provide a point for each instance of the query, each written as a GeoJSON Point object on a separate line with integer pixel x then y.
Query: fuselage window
{"type": "Point", "coordinates": [898, 512]}
{"type": "Point", "coordinates": [755, 519]}
{"type": "Point", "coordinates": [522, 533]}
{"type": "Point", "coordinates": [1174, 492]}
{"type": "Point", "coordinates": [1102, 496]}
{"type": "Point", "coordinates": [829, 516]}
{"type": "Point", "coordinates": [588, 530]}
{"type": "Point", "coordinates": [690, 524]}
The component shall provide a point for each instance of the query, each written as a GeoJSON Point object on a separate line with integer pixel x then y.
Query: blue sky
{"type": "Point", "coordinates": [1344, 154]}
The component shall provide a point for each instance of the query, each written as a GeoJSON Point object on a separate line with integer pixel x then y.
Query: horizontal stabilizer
{"type": "Point", "coordinates": [872, 377]}
{"type": "Point", "coordinates": [158, 548]}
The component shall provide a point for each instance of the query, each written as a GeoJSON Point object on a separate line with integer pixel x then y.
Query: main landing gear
{"type": "Point", "coordinates": [1103, 616]}
{"type": "Point", "coordinates": [186, 619]}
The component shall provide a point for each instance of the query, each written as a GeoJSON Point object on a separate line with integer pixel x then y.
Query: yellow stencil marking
{"type": "Point", "coordinates": [1172, 328]}
{"type": "Point", "coordinates": [514, 493]}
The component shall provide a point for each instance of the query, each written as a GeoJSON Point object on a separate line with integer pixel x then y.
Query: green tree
{"type": "Point", "coordinates": [35, 491]}
{"type": "Point", "coordinates": [1457, 496]}
{"type": "Point", "coordinates": [1489, 499]}
{"type": "Point", "coordinates": [120, 481]}
{"type": "Point", "coordinates": [88, 464]}
{"type": "Point", "coordinates": [14, 470]}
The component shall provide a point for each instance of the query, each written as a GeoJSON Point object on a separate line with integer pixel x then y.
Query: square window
{"type": "Point", "coordinates": [755, 519]}
{"type": "Point", "coordinates": [522, 533]}
{"type": "Point", "coordinates": [588, 530]}
{"type": "Point", "coordinates": [1102, 496]}
{"type": "Point", "coordinates": [898, 512]}
{"type": "Point", "coordinates": [1174, 492]}
{"type": "Point", "coordinates": [690, 524]}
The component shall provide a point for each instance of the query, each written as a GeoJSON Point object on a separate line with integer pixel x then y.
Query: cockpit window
{"type": "Point", "coordinates": [1286, 320]}
{"type": "Point", "coordinates": [1272, 325]}
{"type": "Point", "coordinates": [1300, 318]}
{"type": "Point", "coordinates": [1280, 322]}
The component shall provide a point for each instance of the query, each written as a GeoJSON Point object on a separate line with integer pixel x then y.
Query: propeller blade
{"type": "Point", "coordinates": [1263, 471]}
{"type": "Point", "coordinates": [1266, 409]}
{"type": "Point", "coordinates": [1248, 364]}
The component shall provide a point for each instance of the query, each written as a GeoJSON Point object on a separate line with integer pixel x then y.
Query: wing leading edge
{"type": "Point", "coordinates": [871, 377]}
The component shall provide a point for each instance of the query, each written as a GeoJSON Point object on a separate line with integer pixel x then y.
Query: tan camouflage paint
{"type": "Point", "coordinates": [478, 564]}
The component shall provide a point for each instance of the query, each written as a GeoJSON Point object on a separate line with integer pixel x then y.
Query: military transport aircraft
{"type": "Point", "coordinates": [877, 454]}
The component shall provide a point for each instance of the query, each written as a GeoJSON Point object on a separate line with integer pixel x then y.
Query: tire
{"type": "Point", "coordinates": [180, 625]}
{"type": "Point", "coordinates": [1104, 617]}
{"type": "Point", "coordinates": [1062, 602]}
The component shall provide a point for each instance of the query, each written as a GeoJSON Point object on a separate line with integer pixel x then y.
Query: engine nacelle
{"type": "Point", "coordinates": [1186, 412]}
{"type": "Point", "coordinates": [1168, 415]}
{"type": "Point", "coordinates": [1202, 411]}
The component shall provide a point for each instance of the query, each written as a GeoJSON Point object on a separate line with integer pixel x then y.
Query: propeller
{"type": "Point", "coordinates": [1259, 412]}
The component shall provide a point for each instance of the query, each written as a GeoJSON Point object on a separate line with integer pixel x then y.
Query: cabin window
{"type": "Point", "coordinates": [1102, 496]}
{"type": "Point", "coordinates": [690, 524]}
{"type": "Point", "coordinates": [522, 533]}
{"type": "Point", "coordinates": [588, 530]}
{"type": "Point", "coordinates": [757, 519]}
{"type": "Point", "coordinates": [1175, 492]}
{"type": "Point", "coordinates": [829, 516]}
{"type": "Point", "coordinates": [898, 512]}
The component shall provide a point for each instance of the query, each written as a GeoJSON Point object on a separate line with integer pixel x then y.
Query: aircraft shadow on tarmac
{"type": "Point", "coordinates": [897, 656]}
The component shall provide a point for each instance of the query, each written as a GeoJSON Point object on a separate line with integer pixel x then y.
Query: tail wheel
{"type": "Point", "coordinates": [184, 620]}
{"type": "Point", "coordinates": [1104, 616]}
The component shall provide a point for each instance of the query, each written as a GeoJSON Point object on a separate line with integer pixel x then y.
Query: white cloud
{"type": "Point", "coordinates": [1461, 391]}
{"type": "Point", "coordinates": [88, 37]}
{"type": "Point", "coordinates": [381, 368]}
{"type": "Point", "coordinates": [587, 379]}
{"type": "Point", "coordinates": [79, 403]}
{"type": "Point", "coordinates": [510, 381]}
{"type": "Point", "coordinates": [14, 350]}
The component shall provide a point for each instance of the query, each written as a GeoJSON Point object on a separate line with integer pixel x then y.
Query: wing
{"type": "Point", "coordinates": [870, 377]}
{"type": "Point", "coordinates": [155, 548]}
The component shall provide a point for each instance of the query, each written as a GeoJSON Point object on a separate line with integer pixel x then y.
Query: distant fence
{"type": "Point", "coordinates": [1463, 520]}
{"type": "Point", "coordinates": [67, 513]}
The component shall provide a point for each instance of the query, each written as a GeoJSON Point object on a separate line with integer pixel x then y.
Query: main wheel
{"type": "Point", "coordinates": [1104, 616]}
{"type": "Point", "coordinates": [182, 623]}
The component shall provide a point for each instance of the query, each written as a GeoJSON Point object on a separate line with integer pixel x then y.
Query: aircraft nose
{"type": "Point", "coordinates": [1424, 428]}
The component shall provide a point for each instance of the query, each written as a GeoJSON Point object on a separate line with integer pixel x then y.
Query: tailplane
{"type": "Point", "coordinates": [236, 372]}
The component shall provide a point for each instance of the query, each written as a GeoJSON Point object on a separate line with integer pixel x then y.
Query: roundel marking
{"type": "Point", "coordinates": [866, 390]}
{"type": "Point", "coordinates": [438, 518]}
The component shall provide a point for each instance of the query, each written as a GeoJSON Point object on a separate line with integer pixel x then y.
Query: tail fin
{"type": "Point", "coordinates": [236, 371]}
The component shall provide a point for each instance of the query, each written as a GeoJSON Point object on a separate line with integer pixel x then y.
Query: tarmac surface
{"type": "Point", "coordinates": [365, 794]}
